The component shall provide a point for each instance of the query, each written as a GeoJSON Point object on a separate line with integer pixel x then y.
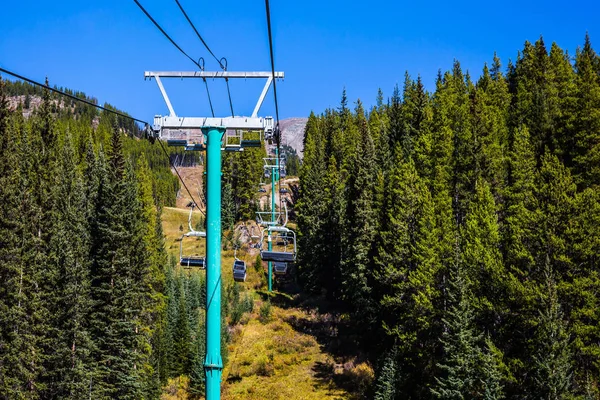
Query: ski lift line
{"type": "Point", "coordinates": [205, 83]}
{"type": "Point", "coordinates": [220, 61]}
{"type": "Point", "coordinates": [71, 96]}
{"type": "Point", "coordinates": [198, 34]}
{"type": "Point", "coordinates": [272, 58]}
{"type": "Point", "coordinates": [165, 33]}
{"type": "Point", "coordinates": [197, 63]}
{"type": "Point", "coordinates": [179, 175]}
{"type": "Point", "coordinates": [277, 128]}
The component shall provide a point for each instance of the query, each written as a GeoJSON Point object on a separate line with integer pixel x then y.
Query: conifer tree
{"type": "Point", "coordinates": [69, 364]}
{"type": "Point", "coordinates": [385, 385]}
{"type": "Point", "coordinates": [482, 259]}
{"type": "Point", "coordinates": [19, 346]}
{"type": "Point", "coordinates": [552, 359]}
{"type": "Point", "coordinates": [586, 148]}
{"type": "Point", "coordinates": [359, 224]}
{"type": "Point", "coordinates": [457, 378]}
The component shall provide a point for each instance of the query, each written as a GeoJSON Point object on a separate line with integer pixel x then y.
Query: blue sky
{"type": "Point", "coordinates": [104, 47]}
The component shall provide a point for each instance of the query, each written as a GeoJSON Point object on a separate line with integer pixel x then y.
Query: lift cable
{"type": "Point", "coordinates": [198, 33]}
{"type": "Point", "coordinates": [197, 63]}
{"type": "Point", "coordinates": [222, 62]}
{"type": "Point", "coordinates": [165, 33]}
{"type": "Point", "coordinates": [277, 130]}
{"type": "Point", "coordinates": [60, 92]}
{"type": "Point", "coordinates": [272, 61]}
{"type": "Point", "coordinates": [179, 176]}
{"type": "Point", "coordinates": [70, 95]}
{"type": "Point", "coordinates": [201, 59]}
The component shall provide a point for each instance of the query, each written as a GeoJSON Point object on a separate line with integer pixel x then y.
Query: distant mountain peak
{"type": "Point", "coordinates": [292, 133]}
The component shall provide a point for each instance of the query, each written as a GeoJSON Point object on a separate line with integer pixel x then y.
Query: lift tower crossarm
{"type": "Point", "coordinates": [214, 75]}
{"type": "Point", "coordinates": [245, 123]}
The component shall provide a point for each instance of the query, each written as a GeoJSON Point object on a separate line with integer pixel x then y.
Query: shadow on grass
{"type": "Point", "coordinates": [327, 377]}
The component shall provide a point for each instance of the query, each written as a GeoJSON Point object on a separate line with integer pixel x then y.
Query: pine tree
{"type": "Point", "coordinates": [482, 259]}
{"type": "Point", "coordinates": [385, 385]}
{"type": "Point", "coordinates": [458, 375]}
{"type": "Point", "coordinates": [69, 364]}
{"type": "Point", "coordinates": [586, 155]}
{"type": "Point", "coordinates": [20, 355]}
{"type": "Point", "coordinates": [552, 359]}
{"type": "Point", "coordinates": [491, 372]}
{"type": "Point", "coordinates": [359, 223]}
{"type": "Point", "coordinates": [119, 263]}
{"type": "Point", "coordinates": [311, 206]}
{"type": "Point", "coordinates": [395, 245]}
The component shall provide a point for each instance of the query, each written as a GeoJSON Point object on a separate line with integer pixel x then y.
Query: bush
{"type": "Point", "coordinates": [246, 305]}
{"type": "Point", "coordinates": [265, 312]}
{"type": "Point", "coordinates": [264, 367]}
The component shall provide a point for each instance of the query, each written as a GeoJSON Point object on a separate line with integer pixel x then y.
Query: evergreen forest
{"type": "Point", "coordinates": [459, 228]}
{"type": "Point", "coordinates": [454, 233]}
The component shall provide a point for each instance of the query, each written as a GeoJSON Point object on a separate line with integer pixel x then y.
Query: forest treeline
{"type": "Point", "coordinates": [91, 306]}
{"type": "Point", "coordinates": [460, 228]}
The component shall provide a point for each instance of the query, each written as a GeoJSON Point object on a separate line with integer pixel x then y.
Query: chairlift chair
{"type": "Point", "coordinates": [280, 268]}
{"type": "Point", "coordinates": [239, 270]}
{"type": "Point", "coordinates": [269, 131]}
{"type": "Point", "coordinates": [194, 260]}
{"type": "Point", "coordinates": [251, 139]}
{"type": "Point", "coordinates": [279, 254]}
{"type": "Point", "coordinates": [265, 218]}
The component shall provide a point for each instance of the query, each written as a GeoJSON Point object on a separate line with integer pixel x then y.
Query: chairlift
{"type": "Point", "coordinates": [265, 218]}
{"type": "Point", "coordinates": [239, 270]}
{"type": "Point", "coordinates": [279, 253]}
{"type": "Point", "coordinates": [176, 142]}
{"type": "Point", "coordinates": [191, 260]}
{"type": "Point", "coordinates": [280, 268]}
{"type": "Point", "coordinates": [251, 139]}
{"type": "Point", "coordinates": [269, 131]}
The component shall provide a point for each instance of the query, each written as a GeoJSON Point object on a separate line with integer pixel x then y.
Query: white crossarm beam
{"type": "Point", "coordinates": [212, 74]}
{"type": "Point", "coordinates": [244, 123]}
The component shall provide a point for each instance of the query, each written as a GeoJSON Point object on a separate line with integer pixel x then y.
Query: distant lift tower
{"type": "Point", "coordinates": [213, 135]}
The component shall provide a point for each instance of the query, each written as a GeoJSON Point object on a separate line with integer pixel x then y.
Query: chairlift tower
{"type": "Point", "coordinates": [272, 166]}
{"type": "Point", "coordinates": [213, 135]}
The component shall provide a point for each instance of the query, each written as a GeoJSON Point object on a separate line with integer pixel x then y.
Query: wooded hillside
{"type": "Point", "coordinates": [459, 228]}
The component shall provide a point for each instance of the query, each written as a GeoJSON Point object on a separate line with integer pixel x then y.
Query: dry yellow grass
{"type": "Point", "coordinates": [266, 361]}
{"type": "Point", "coordinates": [273, 361]}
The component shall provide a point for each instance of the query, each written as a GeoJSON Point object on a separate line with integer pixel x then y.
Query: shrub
{"type": "Point", "coordinates": [265, 312]}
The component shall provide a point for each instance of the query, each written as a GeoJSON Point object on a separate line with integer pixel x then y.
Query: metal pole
{"type": "Point", "coordinates": [213, 364]}
{"type": "Point", "coordinates": [270, 243]}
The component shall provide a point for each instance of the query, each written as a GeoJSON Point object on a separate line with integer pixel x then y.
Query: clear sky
{"type": "Point", "coordinates": [104, 47]}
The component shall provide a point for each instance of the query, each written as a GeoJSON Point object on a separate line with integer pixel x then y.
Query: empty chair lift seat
{"type": "Point", "coordinates": [239, 271]}
{"type": "Point", "coordinates": [176, 142]}
{"type": "Point", "coordinates": [277, 256]}
{"type": "Point", "coordinates": [199, 262]}
{"type": "Point", "coordinates": [280, 268]}
{"type": "Point", "coordinates": [250, 143]}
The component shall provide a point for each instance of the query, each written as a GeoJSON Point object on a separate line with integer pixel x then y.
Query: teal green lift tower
{"type": "Point", "coordinates": [213, 134]}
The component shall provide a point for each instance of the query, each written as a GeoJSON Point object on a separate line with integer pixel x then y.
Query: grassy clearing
{"type": "Point", "coordinates": [276, 359]}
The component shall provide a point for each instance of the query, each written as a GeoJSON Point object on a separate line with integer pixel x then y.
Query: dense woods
{"type": "Point", "coordinates": [456, 232]}
{"type": "Point", "coordinates": [459, 228]}
{"type": "Point", "coordinates": [90, 305]}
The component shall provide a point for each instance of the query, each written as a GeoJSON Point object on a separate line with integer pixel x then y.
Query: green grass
{"type": "Point", "coordinates": [269, 360]}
